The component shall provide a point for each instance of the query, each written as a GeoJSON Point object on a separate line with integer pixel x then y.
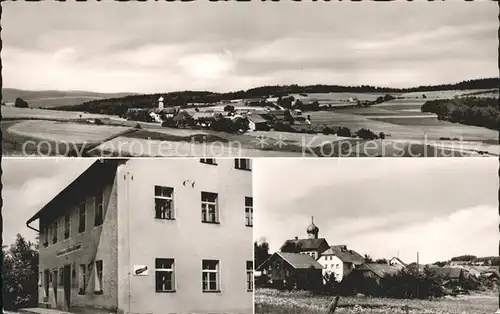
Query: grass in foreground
{"type": "Point", "coordinates": [269, 301]}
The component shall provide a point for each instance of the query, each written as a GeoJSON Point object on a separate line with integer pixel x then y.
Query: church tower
{"type": "Point", "coordinates": [312, 230]}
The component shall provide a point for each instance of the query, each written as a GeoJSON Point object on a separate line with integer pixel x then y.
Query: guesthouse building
{"type": "Point", "coordinates": [150, 236]}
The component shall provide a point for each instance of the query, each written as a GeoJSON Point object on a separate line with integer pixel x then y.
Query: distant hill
{"type": "Point", "coordinates": [118, 104]}
{"type": "Point", "coordinates": [51, 98]}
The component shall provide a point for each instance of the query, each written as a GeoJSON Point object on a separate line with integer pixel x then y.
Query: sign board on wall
{"type": "Point", "coordinates": [140, 270]}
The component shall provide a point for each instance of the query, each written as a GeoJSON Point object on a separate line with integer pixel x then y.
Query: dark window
{"type": "Point", "coordinates": [54, 233]}
{"type": "Point", "coordinates": [249, 275]}
{"type": "Point", "coordinates": [98, 279]}
{"type": "Point", "coordinates": [67, 226]}
{"type": "Point", "coordinates": [248, 211]}
{"type": "Point", "coordinates": [242, 163]}
{"type": "Point", "coordinates": [164, 275]}
{"type": "Point", "coordinates": [209, 210]}
{"type": "Point", "coordinates": [164, 208]}
{"type": "Point", "coordinates": [99, 205]}
{"type": "Point", "coordinates": [210, 161]}
{"type": "Point", "coordinates": [82, 217]}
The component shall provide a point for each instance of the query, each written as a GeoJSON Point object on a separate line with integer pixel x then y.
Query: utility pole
{"type": "Point", "coordinates": [418, 272]}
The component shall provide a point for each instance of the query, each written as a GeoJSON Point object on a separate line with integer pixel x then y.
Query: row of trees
{"type": "Point", "coordinates": [118, 106]}
{"type": "Point", "coordinates": [20, 274]}
{"type": "Point", "coordinates": [483, 112]}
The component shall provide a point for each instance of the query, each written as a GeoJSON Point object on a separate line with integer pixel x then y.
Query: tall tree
{"type": "Point", "coordinates": [20, 275]}
{"type": "Point", "coordinates": [261, 251]}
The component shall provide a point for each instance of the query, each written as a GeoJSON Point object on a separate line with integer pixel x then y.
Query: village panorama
{"type": "Point", "coordinates": [310, 121]}
{"type": "Point", "coordinates": [377, 253]}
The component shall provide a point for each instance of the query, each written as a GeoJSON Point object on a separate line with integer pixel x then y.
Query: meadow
{"type": "Point", "coordinates": [269, 301]}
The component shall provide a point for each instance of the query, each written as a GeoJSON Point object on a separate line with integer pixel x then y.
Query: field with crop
{"type": "Point", "coordinates": [269, 301]}
{"type": "Point", "coordinates": [409, 126]}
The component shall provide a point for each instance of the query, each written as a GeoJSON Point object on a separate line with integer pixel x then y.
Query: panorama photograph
{"type": "Point", "coordinates": [376, 236]}
{"type": "Point", "coordinates": [253, 79]}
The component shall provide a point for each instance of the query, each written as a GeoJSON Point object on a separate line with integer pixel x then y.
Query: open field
{"type": "Point", "coordinates": [65, 132]}
{"type": "Point", "coordinates": [404, 127]}
{"type": "Point", "coordinates": [10, 112]}
{"type": "Point", "coordinates": [269, 301]}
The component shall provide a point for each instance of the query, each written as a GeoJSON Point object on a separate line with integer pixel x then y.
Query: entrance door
{"type": "Point", "coordinates": [67, 287]}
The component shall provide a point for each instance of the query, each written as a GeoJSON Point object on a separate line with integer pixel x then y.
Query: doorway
{"type": "Point", "coordinates": [67, 287]}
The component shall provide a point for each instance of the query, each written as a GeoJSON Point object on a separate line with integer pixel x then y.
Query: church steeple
{"type": "Point", "coordinates": [312, 230]}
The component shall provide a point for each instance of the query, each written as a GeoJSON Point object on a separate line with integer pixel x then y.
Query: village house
{"type": "Point", "coordinates": [292, 270]}
{"type": "Point", "coordinates": [150, 236]}
{"type": "Point", "coordinates": [339, 261]}
{"type": "Point", "coordinates": [257, 123]}
{"type": "Point", "coordinates": [397, 261]}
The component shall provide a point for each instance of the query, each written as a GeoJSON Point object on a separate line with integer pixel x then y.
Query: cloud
{"type": "Point", "coordinates": [152, 47]}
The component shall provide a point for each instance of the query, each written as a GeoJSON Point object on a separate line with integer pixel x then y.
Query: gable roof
{"type": "Point", "coordinates": [91, 178]}
{"type": "Point", "coordinates": [306, 244]}
{"type": "Point", "coordinates": [256, 119]}
{"type": "Point", "coordinates": [299, 261]}
{"type": "Point", "coordinates": [345, 255]}
{"type": "Point", "coordinates": [399, 260]}
{"type": "Point", "coordinates": [381, 270]}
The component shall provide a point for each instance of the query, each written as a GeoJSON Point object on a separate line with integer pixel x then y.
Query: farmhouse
{"type": "Point", "coordinates": [257, 123]}
{"type": "Point", "coordinates": [292, 270]}
{"type": "Point", "coordinates": [396, 261]}
{"type": "Point", "coordinates": [340, 261]}
{"type": "Point", "coordinates": [150, 236]}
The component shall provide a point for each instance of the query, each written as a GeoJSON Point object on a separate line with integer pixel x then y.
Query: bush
{"type": "Point", "coordinates": [366, 134]}
{"type": "Point", "coordinates": [137, 126]}
{"type": "Point", "coordinates": [98, 122]}
{"type": "Point", "coordinates": [344, 131]}
{"type": "Point", "coordinates": [20, 103]}
{"type": "Point", "coordinates": [327, 131]}
{"type": "Point", "coordinates": [381, 135]}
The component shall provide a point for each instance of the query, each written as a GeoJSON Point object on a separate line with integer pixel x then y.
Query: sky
{"type": "Point", "coordinates": [383, 207]}
{"type": "Point", "coordinates": [150, 47]}
{"type": "Point", "coordinates": [28, 185]}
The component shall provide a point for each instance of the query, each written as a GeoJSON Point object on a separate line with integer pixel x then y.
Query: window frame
{"type": "Point", "coordinates": [84, 206]}
{"type": "Point", "coordinates": [238, 164]}
{"type": "Point", "coordinates": [209, 161]}
{"type": "Point", "coordinates": [205, 208]}
{"type": "Point", "coordinates": [98, 280]}
{"type": "Point", "coordinates": [170, 270]}
{"type": "Point", "coordinates": [248, 211]}
{"type": "Point", "coordinates": [208, 271]}
{"type": "Point", "coordinates": [249, 276]}
{"type": "Point", "coordinates": [99, 209]}
{"type": "Point", "coordinates": [54, 232]}
{"type": "Point", "coordinates": [66, 226]}
{"type": "Point", "coordinates": [171, 216]}
{"type": "Point", "coordinates": [82, 278]}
